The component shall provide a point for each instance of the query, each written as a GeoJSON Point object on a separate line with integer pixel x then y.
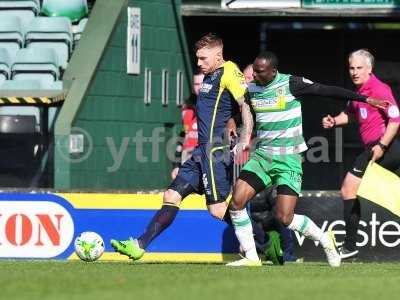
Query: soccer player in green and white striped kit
{"type": "Point", "coordinates": [275, 99]}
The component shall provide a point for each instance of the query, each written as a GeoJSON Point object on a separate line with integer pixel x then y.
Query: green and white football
{"type": "Point", "coordinates": [89, 246]}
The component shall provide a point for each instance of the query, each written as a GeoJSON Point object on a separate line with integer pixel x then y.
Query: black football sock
{"type": "Point", "coordinates": [352, 216]}
{"type": "Point", "coordinates": [163, 218]}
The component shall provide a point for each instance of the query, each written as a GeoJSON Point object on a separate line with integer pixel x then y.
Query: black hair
{"type": "Point", "coordinates": [269, 56]}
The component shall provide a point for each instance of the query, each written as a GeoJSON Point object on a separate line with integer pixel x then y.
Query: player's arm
{"type": "Point", "coordinates": [233, 123]}
{"type": "Point", "coordinates": [234, 82]}
{"type": "Point", "coordinates": [342, 119]}
{"type": "Point", "coordinates": [392, 114]}
{"type": "Point", "coordinates": [300, 86]}
{"type": "Point", "coordinates": [339, 120]}
{"type": "Point", "coordinates": [391, 131]}
{"type": "Point", "coordinates": [383, 144]}
{"type": "Point", "coordinates": [247, 119]}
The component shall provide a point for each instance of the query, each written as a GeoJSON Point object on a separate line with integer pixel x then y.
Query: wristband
{"type": "Point", "coordinates": [383, 146]}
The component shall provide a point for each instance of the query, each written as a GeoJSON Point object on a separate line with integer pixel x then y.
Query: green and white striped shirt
{"type": "Point", "coordinates": [278, 116]}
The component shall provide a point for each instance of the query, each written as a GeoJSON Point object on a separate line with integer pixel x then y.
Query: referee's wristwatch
{"type": "Point", "coordinates": [383, 146]}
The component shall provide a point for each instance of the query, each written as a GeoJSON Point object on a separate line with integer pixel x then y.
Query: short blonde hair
{"type": "Point", "coordinates": [366, 54]}
{"type": "Point", "coordinates": [210, 40]}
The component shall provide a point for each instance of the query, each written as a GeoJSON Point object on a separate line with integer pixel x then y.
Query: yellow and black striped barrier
{"type": "Point", "coordinates": [31, 100]}
{"type": "Point", "coordinates": [32, 97]}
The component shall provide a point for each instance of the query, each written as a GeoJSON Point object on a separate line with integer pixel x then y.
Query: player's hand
{"type": "Point", "coordinates": [379, 103]}
{"type": "Point", "coordinates": [231, 130]}
{"type": "Point", "coordinates": [328, 122]}
{"type": "Point", "coordinates": [240, 147]}
{"type": "Point", "coordinates": [174, 173]}
{"type": "Point", "coordinates": [377, 152]}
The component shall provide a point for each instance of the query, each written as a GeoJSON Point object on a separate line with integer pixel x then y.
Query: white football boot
{"type": "Point", "coordinates": [328, 243]}
{"type": "Point", "coordinates": [245, 262]}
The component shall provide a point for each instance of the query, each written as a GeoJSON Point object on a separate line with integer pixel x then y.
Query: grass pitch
{"type": "Point", "coordinates": [23, 279]}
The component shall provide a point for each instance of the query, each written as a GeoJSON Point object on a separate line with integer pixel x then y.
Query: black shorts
{"type": "Point", "coordinates": [390, 159]}
{"type": "Point", "coordinates": [208, 172]}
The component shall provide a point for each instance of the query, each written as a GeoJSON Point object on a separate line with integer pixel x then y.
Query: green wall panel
{"type": "Point", "coordinates": [113, 106]}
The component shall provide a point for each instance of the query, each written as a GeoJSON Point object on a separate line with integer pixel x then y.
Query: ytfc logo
{"type": "Point", "coordinates": [36, 229]}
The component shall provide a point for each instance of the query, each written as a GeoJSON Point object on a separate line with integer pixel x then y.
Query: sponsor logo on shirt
{"type": "Point", "coordinates": [205, 88]}
{"type": "Point", "coordinates": [281, 94]}
{"type": "Point", "coordinates": [393, 111]}
{"type": "Point", "coordinates": [363, 113]}
{"type": "Point", "coordinates": [264, 103]}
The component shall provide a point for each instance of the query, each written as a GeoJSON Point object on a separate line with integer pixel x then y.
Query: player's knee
{"type": "Point", "coordinates": [219, 215]}
{"type": "Point", "coordinates": [240, 197]}
{"type": "Point", "coordinates": [347, 191]}
{"type": "Point", "coordinates": [218, 211]}
{"type": "Point", "coordinates": [237, 203]}
{"type": "Point", "coordinates": [172, 197]}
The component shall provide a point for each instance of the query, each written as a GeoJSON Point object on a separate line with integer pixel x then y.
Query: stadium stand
{"type": "Point", "coordinates": [24, 10]}
{"type": "Point", "coordinates": [20, 137]}
{"type": "Point", "coordinates": [37, 38]}
{"type": "Point", "coordinates": [54, 33]}
{"type": "Point", "coordinates": [11, 34]}
{"type": "Point", "coordinates": [40, 64]}
{"type": "Point", "coordinates": [22, 84]}
{"type": "Point", "coordinates": [75, 10]}
{"type": "Point", "coordinates": [77, 30]}
{"type": "Point", "coordinates": [5, 62]}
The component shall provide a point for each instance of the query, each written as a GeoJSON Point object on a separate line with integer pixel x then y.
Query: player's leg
{"type": "Point", "coordinates": [166, 215]}
{"type": "Point", "coordinates": [242, 223]}
{"type": "Point", "coordinates": [217, 174]}
{"type": "Point", "coordinates": [287, 174]}
{"type": "Point", "coordinates": [351, 205]}
{"type": "Point", "coordinates": [351, 183]}
{"type": "Point", "coordinates": [252, 179]}
{"type": "Point", "coordinates": [217, 182]}
{"type": "Point", "coordinates": [183, 185]}
{"type": "Point", "coordinates": [351, 214]}
{"type": "Point", "coordinates": [260, 210]}
{"type": "Point", "coordinates": [286, 203]}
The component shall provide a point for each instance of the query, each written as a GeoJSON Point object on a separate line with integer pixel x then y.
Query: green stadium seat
{"type": "Point", "coordinates": [55, 33]}
{"type": "Point", "coordinates": [39, 64]}
{"type": "Point", "coordinates": [5, 63]}
{"type": "Point", "coordinates": [75, 10]}
{"type": "Point", "coordinates": [31, 84]}
{"type": "Point", "coordinates": [78, 29]}
{"type": "Point", "coordinates": [3, 78]}
{"type": "Point", "coordinates": [22, 84]}
{"type": "Point", "coordinates": [25, 10]}
{"type": "Point", "coordinates": [11, 34]}
{"type": "Point", "coordinates": [57, 85]}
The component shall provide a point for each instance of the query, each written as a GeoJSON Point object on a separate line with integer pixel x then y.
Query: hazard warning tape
{"type": "Point", "coordinates": [31, 100]}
